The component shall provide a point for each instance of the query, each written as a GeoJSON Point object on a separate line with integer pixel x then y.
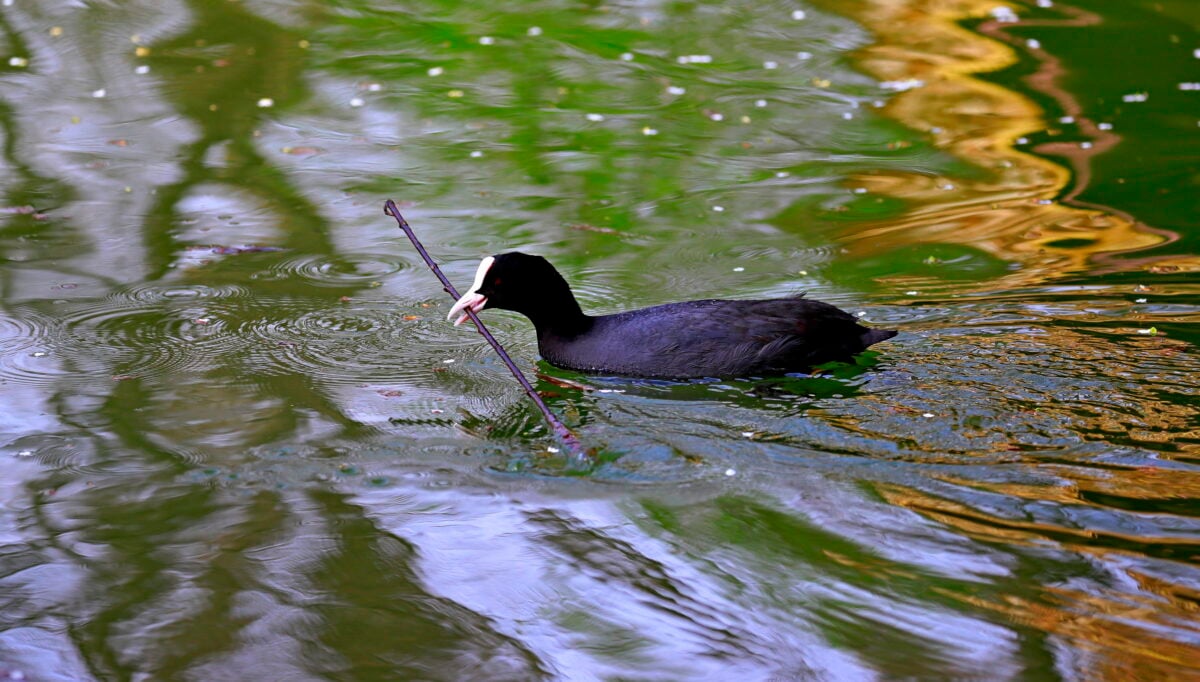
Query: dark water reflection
{"type": "Point", "coordinates": [240, 441]}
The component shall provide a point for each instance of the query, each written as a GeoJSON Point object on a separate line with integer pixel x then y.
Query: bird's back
{"type": "Point", "coordinates": [717, 338]}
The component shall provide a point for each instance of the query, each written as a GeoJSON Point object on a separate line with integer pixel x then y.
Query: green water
{"type": "Point", "coordinates": [240, 440]}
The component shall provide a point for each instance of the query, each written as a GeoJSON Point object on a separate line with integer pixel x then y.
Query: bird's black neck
{"type": "Point", "coordinates": [558, 314]}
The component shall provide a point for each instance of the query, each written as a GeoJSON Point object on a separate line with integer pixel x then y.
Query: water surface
{"type": "Point", "coordinates": [240, 440]}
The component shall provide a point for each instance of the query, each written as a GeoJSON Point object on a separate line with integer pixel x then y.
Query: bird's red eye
{"type": "Point", "coordinates": [496, 282]}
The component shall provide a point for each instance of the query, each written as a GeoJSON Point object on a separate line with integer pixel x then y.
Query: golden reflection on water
{"type": "Point", "coordinates": [1024, 208]}
{"type": "Point", "coordinates": [1116, 625]}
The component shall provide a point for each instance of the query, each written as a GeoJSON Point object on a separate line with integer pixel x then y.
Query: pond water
{"type": "Point", "coordinates": [240, 441]}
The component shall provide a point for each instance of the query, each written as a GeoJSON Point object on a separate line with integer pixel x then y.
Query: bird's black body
{"type": "Point", "coordinates": [709, 338]}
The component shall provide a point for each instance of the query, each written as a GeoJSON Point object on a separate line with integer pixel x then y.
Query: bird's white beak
{"type": "Point", "coordinates": [472, 300]}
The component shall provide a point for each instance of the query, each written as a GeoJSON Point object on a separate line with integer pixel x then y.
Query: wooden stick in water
{"type": "Point", "coordinates": [564, 434]}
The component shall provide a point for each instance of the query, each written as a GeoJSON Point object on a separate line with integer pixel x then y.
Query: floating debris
{"type": "Point", "coordinates": [301, 151]}
{"type": "Point", "coordinates": [626, 56]}
{"type": "Point", "coordinates": [647, 130]}
{"type": "Point", "coordinates": [1135, 97]}
{"type": "Point", "coordinates": [1104, 126]}
{"type": "Point", "coordinates": [1066, 120]}
{"type": "Point", "coordinates": [476, 154]}
{"type": "Point", "coordinates": [1085, 145]}
{"type": "Point", "coordinates": [739, 269]}
{"type": "Point", "coordinates": [1152, 331]}
{"type": "Point", "coordinates": [1189, 86]}
{"type": "Point", "coordinates": [902, 85]}
{"type": "Point", "coordinates": [676, 90]}
{"type": "Point", "coordinates": [718, 209]}
{"type": "Point", "coordinates": [799, 15]}
{"type": "Point", "coordinates": [1140, 300]}
{"type": "Point", "coordinates": [716, 116]}
{"type": "Point", "coordinates": [1004, 14]}
{"type": "Point", "coordinates": [804, 56]}
{"type": "Point", "coordinates": [235, 250]}
{"type": "Point", "coordinates": [19, 62]}
{"type": "Point", "coordinates": [534, 31]}
{"type": "Point", "coordinates": [356, 102]}
{"type": "Point", "coordinates": [694, 59]}
{"type": "Point", "coordinates": [731, 472]}
{"type": "Point", "coordinates": [770, 65]}
{"type": "Point", "coordinates": [487, 40]}
{"type": "Point", "coordinates": [455, 94]}
{"type": "Point", "coordinates": [928, 415]}
{"type": "Point", "coordinates": [583, 227]}
{"type": "Point", "coordinates": [99, 94]}
{"type": "Point", "coordinates": [760, 103]}
{"type": "Point", "coordinates": [142, 70]}
{"type": "Point", "coordinates": [266, 103]}
{"type": "Point", "coordinates": [435, 71]}
{"type": "Point", "coordinates": [595, 117]}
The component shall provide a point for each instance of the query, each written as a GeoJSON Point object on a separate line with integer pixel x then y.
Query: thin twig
{"type": "Point", "coordinates": [564, 434]}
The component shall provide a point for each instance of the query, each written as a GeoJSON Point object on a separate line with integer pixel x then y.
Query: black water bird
{"type": "Point", "coordinates": [706, 338]}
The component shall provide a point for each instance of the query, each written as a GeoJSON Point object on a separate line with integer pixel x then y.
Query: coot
{"type": "Point", "coordinates": [708, 338]}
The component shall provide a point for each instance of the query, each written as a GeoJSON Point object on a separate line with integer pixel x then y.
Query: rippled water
{"type": "Point", "coordinates": [240, 441]}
